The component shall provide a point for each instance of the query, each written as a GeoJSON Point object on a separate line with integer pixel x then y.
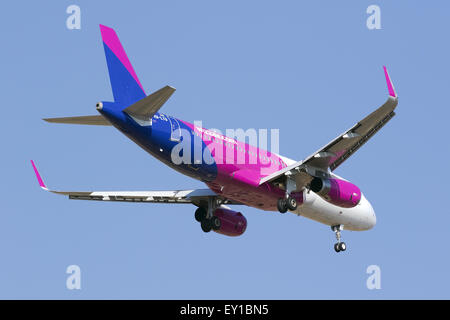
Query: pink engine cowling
{"type": "Point", "coordinates": [338, 192]}
{"type": "Point", "coordinates": [232, 223]}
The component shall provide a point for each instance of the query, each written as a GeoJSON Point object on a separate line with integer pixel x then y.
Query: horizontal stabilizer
{"type": "Point", "coordinates": [88, 120]}
{"type": "Point", "coordinates": [147, 107]}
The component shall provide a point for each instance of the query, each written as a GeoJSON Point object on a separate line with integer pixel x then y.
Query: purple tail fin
{"type": "Point", "coordinates": [125, 85]}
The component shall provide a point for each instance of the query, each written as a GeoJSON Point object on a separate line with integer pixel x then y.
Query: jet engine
{"type": "Point", "coordinates": [338, 192]}
{"type": "Point", "coordinates": [232, 223]}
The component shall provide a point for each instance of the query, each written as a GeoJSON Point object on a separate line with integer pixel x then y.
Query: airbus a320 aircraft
{"type": "Point", "coordinates": [262, 180]}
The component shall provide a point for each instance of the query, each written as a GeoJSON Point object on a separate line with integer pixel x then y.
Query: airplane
{"type": "Point", "coordinates": [264, 180]}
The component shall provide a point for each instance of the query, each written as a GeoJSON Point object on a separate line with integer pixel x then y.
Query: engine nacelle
{"type": "Point", "coordinates": [338, 192]}
{"type": "Point", "coordinates": [232, 223]}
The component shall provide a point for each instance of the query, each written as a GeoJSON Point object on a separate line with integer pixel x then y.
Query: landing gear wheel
{"type": "Point", "coordinates": [342, 246]}
{"type": "Point", "coordinates": [336, 247]}
{"type": "Point", "coordinates": [292, 203]}
{"type": "Point", "coordinates": [282, 205]}
{"type": "Point", "coordinates": [339, 246]}
{"type": "Point", "coordinates": [215, 223]}
{"type": "Point", "coordinates": [206, 225]}
{"type": "Point", "coordinates": [200, 214]}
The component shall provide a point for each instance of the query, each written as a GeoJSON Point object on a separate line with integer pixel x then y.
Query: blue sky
{"type": "Point", "coordinates": [310, 68]}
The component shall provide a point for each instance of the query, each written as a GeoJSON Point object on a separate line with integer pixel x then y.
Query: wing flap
{"type": "Point", "coordinates": [172, 196]}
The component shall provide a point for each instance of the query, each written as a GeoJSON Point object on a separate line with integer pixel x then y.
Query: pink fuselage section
{"type": "Point", "coordinates": [240, 167]}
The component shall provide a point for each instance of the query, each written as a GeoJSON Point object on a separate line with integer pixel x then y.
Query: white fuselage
{"type": "Point", "coordinates": [359, 218]}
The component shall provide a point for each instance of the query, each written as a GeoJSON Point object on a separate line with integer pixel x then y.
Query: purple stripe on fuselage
{"type": "Point", "coordinates": [110, 39]}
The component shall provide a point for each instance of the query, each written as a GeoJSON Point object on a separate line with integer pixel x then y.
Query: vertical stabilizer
{"type": "Point", "coordinates": [125, 85]}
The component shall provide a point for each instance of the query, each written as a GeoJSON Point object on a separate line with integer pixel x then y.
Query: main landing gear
{"type": "Point", "coordinates": [208, 221]}
{"type": "Point", "coordinates": [288, 202]}
{"type": "Point", "coordinates": [339, 246]}
{"type": "Point", "coordinates": [285, 204]}
{"type": "Point", "coordinates": [207, 224]}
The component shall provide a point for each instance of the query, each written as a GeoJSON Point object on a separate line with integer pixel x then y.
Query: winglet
{"type": "Point", "coordinates": [38, 176]}
{"type": "Point", "coordinates": [390, 86]}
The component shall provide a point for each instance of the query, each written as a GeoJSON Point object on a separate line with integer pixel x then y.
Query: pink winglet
{"type": "Point", "coordinates": [110, 38]}
{"type": "Point", "coordinates": [389, 83]}
{"type": "Point", "coordinates": [38, 176]}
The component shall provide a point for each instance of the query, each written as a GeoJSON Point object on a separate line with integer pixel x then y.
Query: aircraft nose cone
{"type": "Point", "coordinates": [372, 221]}
{"type": "Point", "coordinates": [372, 218]}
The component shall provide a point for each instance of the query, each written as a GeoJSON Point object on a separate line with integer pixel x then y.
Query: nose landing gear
{"type": "Point", "coordinates": [339, 246]}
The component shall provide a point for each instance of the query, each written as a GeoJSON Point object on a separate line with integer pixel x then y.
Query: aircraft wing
{"type": "Point", "coordinates": [341, 148]}
{"type": "Point", "coordinates": [195, 196]}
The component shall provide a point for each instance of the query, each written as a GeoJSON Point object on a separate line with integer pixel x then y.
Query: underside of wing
{"type": "Point", "coordinates": [171, 196]}
{"type": "Point", "coordinates": [329, 157]}
{"type": "Point", "coordinates": [341, 148]}
{"type": "Point", "coordinates": [195, 196]}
